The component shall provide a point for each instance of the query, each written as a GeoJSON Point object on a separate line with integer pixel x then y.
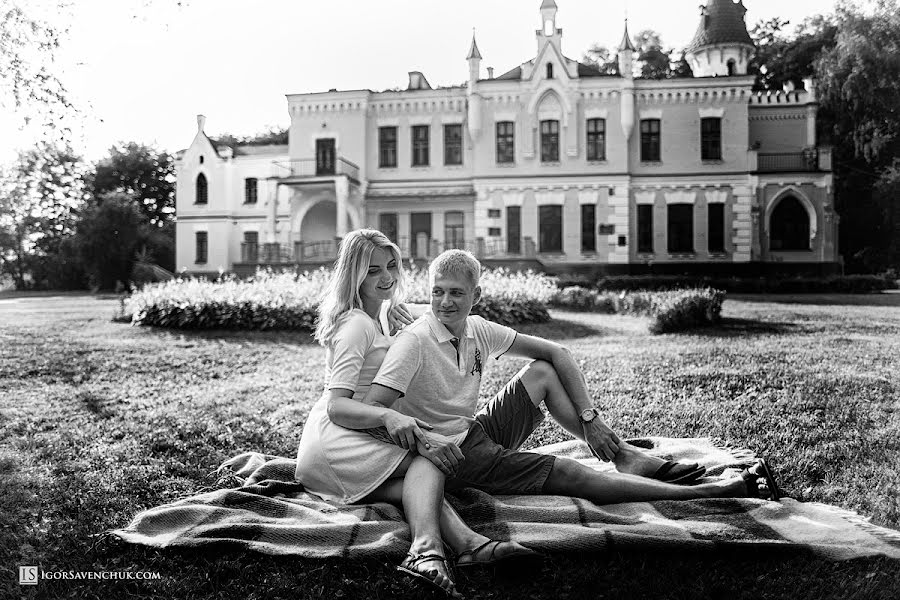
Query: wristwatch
{"type": "Point", "coordinates": [588, 415]}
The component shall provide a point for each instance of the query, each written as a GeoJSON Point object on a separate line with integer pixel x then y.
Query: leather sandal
{"type": "Point", "coordinates": [761, 469]}
{"type": "Point", "coordinates": [518, 554]}
{"type": "Point", "coordinates": [412, 562]}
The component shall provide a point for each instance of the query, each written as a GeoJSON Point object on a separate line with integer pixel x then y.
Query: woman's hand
{"type": "Point", "coordinates": [406, 431]}
{"type": "Point", "coordinates": [398, 318]}
{"type": "Point", "coordinates": [443, 453]}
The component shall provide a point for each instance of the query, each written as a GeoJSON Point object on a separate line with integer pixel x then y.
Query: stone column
{"type": "Point", "coordinates": [619, 205]}
{"type": "Point", "coordinates": [744, 228]}
{"type": "Point", "coordinates": [342, 196]}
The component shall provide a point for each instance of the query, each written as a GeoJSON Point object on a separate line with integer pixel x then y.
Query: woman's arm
{"type": "Point", "coordinates": [403, 430]}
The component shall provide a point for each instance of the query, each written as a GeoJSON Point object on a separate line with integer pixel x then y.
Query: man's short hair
{"type": "Point", "coordinates": [460, 263]}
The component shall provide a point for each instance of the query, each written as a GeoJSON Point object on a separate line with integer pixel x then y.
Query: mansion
{"type": "Point", "coordinates": [552, 165]}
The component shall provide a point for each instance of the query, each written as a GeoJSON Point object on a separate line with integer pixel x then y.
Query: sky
{"type": "Point", "coordinates": [141, 70]}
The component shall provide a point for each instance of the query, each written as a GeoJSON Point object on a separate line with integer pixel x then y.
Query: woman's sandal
{"type": "Point", "coordinates": [410, 566]}
{"type": "Point", "coordinates": [517, 555]}
{"type": "Point", "coordinates": [761, 469]}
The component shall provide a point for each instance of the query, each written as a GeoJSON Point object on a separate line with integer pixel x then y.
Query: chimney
{"type": "Point", "coordinates": [490, 72]}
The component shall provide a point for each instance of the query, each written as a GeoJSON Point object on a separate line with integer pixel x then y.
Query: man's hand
{"type": "Point", "coordinates": [406, 431]}
{"type": "Point", "coordinates": [442, 452]}
{"type": "Point", "coordinates": [398, 318]}
{"type": "Point", "coordinates": [603, 441]}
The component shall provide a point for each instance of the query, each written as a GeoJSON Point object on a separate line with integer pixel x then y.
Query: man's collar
{"type": "Point", "coordinates": [440, 330]}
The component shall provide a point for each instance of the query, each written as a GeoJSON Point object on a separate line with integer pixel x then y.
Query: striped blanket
{"type": "Point", "coordinates": [269, 512]}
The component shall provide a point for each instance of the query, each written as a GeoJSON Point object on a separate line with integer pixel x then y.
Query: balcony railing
{"type": "Point", "coordinates": [788, 162]}
{"type": "Point", "coordinates": [325, 251]}
{"type": "Point", "coordinates": [310, 167]}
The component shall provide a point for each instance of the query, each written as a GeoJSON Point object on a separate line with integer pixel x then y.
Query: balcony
{"type": "Point", "coordinates": [808, 161]}
{"type": "Point", "coordinates": [311, 167]}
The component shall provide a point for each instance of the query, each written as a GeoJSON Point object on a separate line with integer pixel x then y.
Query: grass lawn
{"type": "Point", "coordinates": [99, 420]}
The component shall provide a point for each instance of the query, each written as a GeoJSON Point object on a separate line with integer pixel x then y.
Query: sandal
{"type": "Point", "coordinates": [517, 555]}
{"type": "Point", "coordinates": [410, 566]}
{"type": "Point", "coordinates": [761, 469]}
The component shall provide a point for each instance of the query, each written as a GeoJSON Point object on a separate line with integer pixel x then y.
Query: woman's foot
{"type": "Point", "coordinates": [492, 552]}
{"type": "Point", "coordinates": [432, 569]}
{"type": "Point", "coordinates": [634, 461]}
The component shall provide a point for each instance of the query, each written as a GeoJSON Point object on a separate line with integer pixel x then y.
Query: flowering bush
{"type": "Point", "coordinates": [289, 300]}
{"type": "Point", "coordinates": [669, 311]}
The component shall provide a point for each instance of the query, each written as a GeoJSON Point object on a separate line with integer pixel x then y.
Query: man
{"type": "Point", "coordinates": [433, 372]}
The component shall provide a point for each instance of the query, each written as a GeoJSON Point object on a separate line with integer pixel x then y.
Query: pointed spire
{"type": "Point", "coordinates": [549, 4]}
{"type": "Point", "coordinates": [473, 49]}
{"type": "Point", "coordinates": [626, 40]}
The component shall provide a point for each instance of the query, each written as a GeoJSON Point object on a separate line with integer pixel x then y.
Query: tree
{"type": "Point", "coordinates": [273, 135]}
{"type": "Point", "coordinates": [600, 57]}
{"type": "Point", "coordinates": [143, 173]}
{"type": "Point", "coordinates": [782, 58]}
{"type": "Point", "coordinates": [40, 199]}
{"type": "Point", "coordinates": [653, 61]}
{"type": "Point", "coordinates": [107, 239]}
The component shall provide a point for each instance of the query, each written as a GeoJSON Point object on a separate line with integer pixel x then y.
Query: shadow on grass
{"type": "Point", "coordinates": [889, 298]}
{"type": "Point", "coordinates": [562, 329]}
{"type": "Point", "coordinates": [183, 337]}
{"type": "Point", "coordinates": [734, 327]}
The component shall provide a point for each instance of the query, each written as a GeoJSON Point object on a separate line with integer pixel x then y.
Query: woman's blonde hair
{"type": "Point", "coordinates": [350, 269]}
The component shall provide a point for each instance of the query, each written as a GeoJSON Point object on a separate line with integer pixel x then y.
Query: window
{"type": "Point", "coordinates": [789, 226]}
{"type": "Point", "coordinates": [549, 141]}
{"type": "Point", "coordinates": [493, 213]}
{"type": "Point", "coordinates": [645, 228]}
{"type": "Point", "coordinates": [454, 234]}
{"type": "Point", "coordinates": [201, 159]}
{"type": "Point", "coordinates": [387, 147]}
{"type": "Point", "coordinates": [549, 70]}
{"type": "Point", "coordinates": [681, 228]}
{"type": "Point", "coordinates": [387, 223]}
{"type": "Point", "coordinates": [420, 139]}
{"type": "Point", "coordinates": [731, 67]}
{"type": "Point", "coordinates": [596, 139]}
{"type": "Point", "coordinates": [550, 228]}
{"type": "Point", "coordinates": [250, 190]}
{"type": "Point", "coordinates": [514, 229]}
{"type": "Point", "coordinates": [202, 192]}
{"type": "Point", "coordinates": [325, 155]}
{"type": "Point", "coordinates": [711, 138]}
{"type": "Point", "coordinates": [650, 140]}
{"type": "Point", "coordinates": [505, 142]}
{"type": "Point", "coordinates": [453, 145]}
{"type": "Point", "coordinates": [716, 233]}
{"type": "Point", "coordinates": [588, 228]}
{"type": "Point", "coordinates": [250, 251]}
{"type": "Point", "coordinates": [419, 234]}
{"type": "Point", "coordinates": [494, 231]}
{"type": "Point", "coordinates": [200, 254]}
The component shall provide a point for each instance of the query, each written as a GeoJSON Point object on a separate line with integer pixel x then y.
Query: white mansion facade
{"type": "Point", "coordinates": [551, 165]}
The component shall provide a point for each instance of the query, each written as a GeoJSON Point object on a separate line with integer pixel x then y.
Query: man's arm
{"type": "Point", "coordinates": [602, 440]}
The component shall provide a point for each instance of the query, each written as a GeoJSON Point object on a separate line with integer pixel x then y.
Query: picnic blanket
{"type": "Point", "coordinates": [269, 512]}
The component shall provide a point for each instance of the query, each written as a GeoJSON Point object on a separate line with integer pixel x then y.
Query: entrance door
{"type": "Point", "coordinates": [419, 234]}
{"type": "Point", "coordinates": [325, 156]}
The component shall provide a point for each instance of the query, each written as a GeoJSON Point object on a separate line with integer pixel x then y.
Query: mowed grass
{"type": "Point", "coordinates": [99, 420]}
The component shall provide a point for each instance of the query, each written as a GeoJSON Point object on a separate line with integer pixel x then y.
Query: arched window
{"type": "Point", "coordinates": [549, 70]}
{"type": "Point", "coordinates": [732, 69]}
{"type": "Point", "coordinates": [202, 193]}
{"type": "Point", "coordinates": [789, 226]}
{"type": "Point", "coordinates": [201, 159]}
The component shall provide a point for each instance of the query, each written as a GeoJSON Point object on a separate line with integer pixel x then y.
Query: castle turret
{"type": "Point", "coordinates": [721, 47]}
{"type": "Point", "coordinates": [474, 114]}
{"type": "Point", "coordinates": [548, 25]}
{"type": "Point", "coordinates": [626, 64]}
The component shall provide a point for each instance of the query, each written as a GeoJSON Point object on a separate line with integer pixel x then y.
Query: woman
{"type": "Point", "coordinates": [341, 463]}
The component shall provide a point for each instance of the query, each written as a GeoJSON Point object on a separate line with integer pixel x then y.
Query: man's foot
{"type": "Point", "coordinates": [431, 569]}
{"type": "Point", "coordinates": [635, 461]}
{"type": "Point", "coordinates": [759, 481]}
{"type": "Point", "coordinates": [492, 552]}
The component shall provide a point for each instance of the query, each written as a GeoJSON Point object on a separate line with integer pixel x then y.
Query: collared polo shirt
{"type": "Point", "coordinates": [439, 384]}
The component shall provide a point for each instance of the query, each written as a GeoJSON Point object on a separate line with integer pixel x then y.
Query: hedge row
{"type": "Point", "coordinates": [669, 311]}
{"type": "Point", "coordinates": [289, 300]}
{"type": "Point", "coordinates": [848, 284]}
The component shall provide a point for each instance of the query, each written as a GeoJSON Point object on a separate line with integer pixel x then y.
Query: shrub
{"type": "Point", "coordinates": [289, 301]}
{"type": "Point", "coordinates": [849, 284]}
{"type": "Point", "coordinates": [669, 311]}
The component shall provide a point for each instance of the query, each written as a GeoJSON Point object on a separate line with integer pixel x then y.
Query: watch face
{"type": "Point", "coordinates": [588, 415]}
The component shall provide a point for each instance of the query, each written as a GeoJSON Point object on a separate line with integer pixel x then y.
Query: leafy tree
{"type": "Point", "coordinates": [145, 174]}
{"type": "Point", "coordinates": [600, 57]}
{"type": "Point", "coordinates": [273, 135]}
{"type": "Point", "coordinates": [41, 195]}
{"type": "Point", "coordinates": [781, 57]}
{"type": "Point", "coordinates": [107, 239]}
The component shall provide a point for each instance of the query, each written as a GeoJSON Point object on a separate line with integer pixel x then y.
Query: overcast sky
{"type": "Point", "coordinates": [142, 69]}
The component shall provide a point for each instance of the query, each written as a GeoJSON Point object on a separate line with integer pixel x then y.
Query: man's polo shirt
{"type": "Point", "coordinates": [438, 384]}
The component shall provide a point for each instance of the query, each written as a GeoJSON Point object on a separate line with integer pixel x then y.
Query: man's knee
{"type": "Point", "coordinates": [538, 377]}
{"type": "Point", "coordinates": [569, 477]}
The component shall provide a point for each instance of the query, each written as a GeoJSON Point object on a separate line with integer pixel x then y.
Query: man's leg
{"type": "Point", "coordinates": [570, 478]}
{"type": "Point", "coordinates": [543, 385]}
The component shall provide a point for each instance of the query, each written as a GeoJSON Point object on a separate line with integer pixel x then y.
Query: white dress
{"type": "Point", "coordinates": [339, 464]}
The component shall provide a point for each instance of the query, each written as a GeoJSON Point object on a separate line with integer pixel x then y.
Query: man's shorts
{"type": "Point", "coordinates": [493, 462]}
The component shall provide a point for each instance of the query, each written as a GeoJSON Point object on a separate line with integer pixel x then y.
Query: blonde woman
{"type": "Point", "coordinates": [339, 461]}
